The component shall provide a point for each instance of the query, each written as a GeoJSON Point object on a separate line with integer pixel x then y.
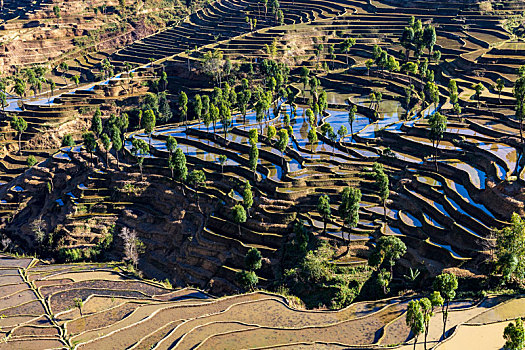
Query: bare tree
{"type": "Point", "coordinates": [38, 227]}
{"type": "Point", "coordinates": [6, 243]}
{"type": "Point", "coordinates": [133, 246]}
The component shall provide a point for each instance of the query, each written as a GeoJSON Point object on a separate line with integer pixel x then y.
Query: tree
{"type": "Point", "coordinates": [133, 246]}
{"type": "Point", "coordinates": [282, 141]}
{"type": "Point", "coordinates": [196, 179]}
{"type": "Point", "coordinates": [349, 208]}
{"type": "Point", "coordinates": [139, 148]}
{"type": "Point", "coordinates": [31, 161]}
{"type": "Point", "coordinates": [78, 304]}
{"type": "Point", "coordinates": [407, 40]}
{"type": "Point", "coordinates": [3, 100]}
{"type": "Point", "coordinates": [56, 12]}
{"type": "Point", "coordinates": [500, 84]}
{"type": "Point", "coordinates": [171, 144]}
{"type": "Point", "coordinates": [345, 47]}
{"type": "Point", "coordinates": [247, 279]}
{"type": "Point", "coordinates": [271, 132]}
{"type": "Point", "coordinates": [183, 107]}
{"type": "Point", "coordinates": [253, 259]}
{"type": "Point", "coordinates": [426, 309]}
{"type": "Point", "coordinates": [96, 123]}
{"type": "Point", "coordinates": [519, 95]}
{"type": "Point", "coordinates": [116, 140]}
{"type": "Point", "coordinates": [368, 63]}
{"type": "Point", "coordinates": [510, 249]}
{"type": "Point", "coordinates": [446, 284]}
{"type": "Point", "coordinates": [382, 183]}
{"type": "Point", "coordinates": [341, 132]}
{"type": "Point", "coordinates": [351, 118]}
{"type": "Point", "coordinates": [388, 250]}
{"type": "Point", "coordinates": [75, 79]}
{"type": "Point", "coordinates": [324, 209]}
{"type": "Point", "coordinates": [429, 38]}
{"type": "Point", "coordinates": [436, 300]}
{"type": "Point", "coordinates": [197, 107]}
{"type": "Point", "coordinates": [514, 335]}
{"type": "Point", "coordinates": [148, 123]}
{"type": "Point", "coordinates": [106, 143]}
{"type": "Point", "coordinates": [415, 319]}
{"type": "Point", "coordinates": [165, 113]}
{"type": "Point", "coordinates": [247, 196]}
{"type": "Point", "coordinates": [254, 159]}
{"type": "Point", "coordinates": [180, 168]}
{"type": "Point", "coordinates": [438, 126]}
{"type": "Point", "coordinates": [244, 98]}
{"type": "Point", "coordinates": [239, 216]}
{"type": "Point", "coordinates": [312, 137]}
{"type": "Point", "coordinates": [19, 125]}
{"type": "Point", "coordinates": [89, 143]}
{"type": "Point", "coordinates": [479, 89]}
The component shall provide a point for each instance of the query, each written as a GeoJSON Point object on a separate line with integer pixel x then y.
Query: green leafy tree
{"type": "Point", "coordinates": [171, 144]}
{"type": "Point", "coordinates": [349, 208]}
{"type": "Point", "coordinates": [180, 169]}
{"type": "Point", "coordinates": [148, 123]}
{"type": "Point", "coordinates": [382, 183]}
{"type": "Point", "coordinates": [106, 143]}
{"type": "Point", "coordinates": [415, 319]}
{"type": "Point", "coordinates": [500, 84]}
{"type": "Point", "coordinates": [197, 179]}
{"type": "Point", "coordinates": [254, 159]}
{"type": "Point", "coordinates": [247, 196]}
{"type": "Point", "coordinates": [197, 107]}
{"type": "Point", "coordinates": [19, 125]}
{"type": "Point", "coordinates": [139, 148]}
{"type": "Point", "coordinates": [116, 140]}
{"type": "Point", "coordinates": [89, 143]}
{"type": "Point", "coordinates": [282, 141]}
{"type": "Point", "coordinates": [239, 216]}
{"type": "Point", "coordinates": [312, 138]}
{"type": "Point", "coordinates": [438, 126]}
{"type": "Point", "coordinates": [351, 118]}
{"type": "Point", "coordinates": [253, 259]}
{"type": "Point", "coordinates": [388, 250]}
{"type": "Point", "coordinates": [446, 284]}
{"type": "Point", "coordinates": [478, 88]}
{"type": "Point", "coordinates": [324, 209]}
{"type": "Point", "coordinates": [514, 335]}
{"type": "Point", "coordinates": [271, 132]}
{"type": "Point", "coordinates": [67, 141]}
{"type": "Point", "coordinates": [519, 95]}
{"type": "Point", "coordinates": [247, 279]}
{"type": "Point", "coordinates": [96, 123]}
{"type": "Point", "coordinates": [183, 106]}
{"type": "Point", "coordinates": [31, 161]}
{"type": "Point", "coordinates": [510, 250]}
{"type": "Point", "coordinates": [345, 47]}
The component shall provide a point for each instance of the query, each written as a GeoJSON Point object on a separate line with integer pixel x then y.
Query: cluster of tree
{"type": "Point", "coordinates": [419, 312]}
{"type": "Point", "coordinates": [247, 277]}
{"type": "Point", "coordinates": [510, 251]}
{"type": "Point", "coordinates": [387, 251]}
{"type": "Point", "coordinates": [348, 209]}
{"type": "Point", "coordinates": [309, 272]}
{"type": "Point", "coordinates": [415, 37]}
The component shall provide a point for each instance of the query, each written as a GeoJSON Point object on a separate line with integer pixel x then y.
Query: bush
{"type": "Point", "coordinates": [247, 279]}
{"type": "Point", "coordinates": [253, 259]}
{"type": "Point", "coordinates": [31, 161]}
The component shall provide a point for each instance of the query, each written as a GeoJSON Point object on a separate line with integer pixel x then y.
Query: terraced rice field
{"type": "Point", "coordinates": [443, 209]}
{"type": "Point", "coordinates": [184, 321]}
